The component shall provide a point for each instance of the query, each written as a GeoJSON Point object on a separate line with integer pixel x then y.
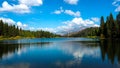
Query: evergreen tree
{"type": "Point", "coordinates": [118, 24]}
{"type": "Point", "coordinates": [13, 31]}
{"type": "Point", "coordinates": [102, 27]}
{"type": "Point", "coordinates": [112, 26]}
{"type": "Point", "coordinates": [1, 27]}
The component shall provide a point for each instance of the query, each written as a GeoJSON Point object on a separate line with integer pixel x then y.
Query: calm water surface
{"type": "Point", "coordinates": [60, 53]}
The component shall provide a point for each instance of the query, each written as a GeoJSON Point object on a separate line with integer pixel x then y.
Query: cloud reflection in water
{"type": "Point", "coordinates": [78, 51]}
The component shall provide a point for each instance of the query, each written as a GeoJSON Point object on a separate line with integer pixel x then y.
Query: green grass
{"type": "Point", "coordinates": [13, 38]}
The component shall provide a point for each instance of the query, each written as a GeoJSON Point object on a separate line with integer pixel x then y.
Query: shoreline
{"type": "Point", "coordinates": [19, 37]}
{"type": "Point", "coordinates": [13, 38]}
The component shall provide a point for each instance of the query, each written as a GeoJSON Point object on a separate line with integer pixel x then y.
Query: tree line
{"type": "Point", "coordinates": [111, 27]}
{"type": "Point", "coordinates": [7, 30]}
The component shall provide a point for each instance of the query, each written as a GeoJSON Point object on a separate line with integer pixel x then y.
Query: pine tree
{"type": "Point", "coordinates": [102, 27]}
{"type": "Point", "coordinates": [1, 27]}
{"type": "Point", "coordinates": [118, 24]}
{"type": "Point", "coordinates": [112, 26]}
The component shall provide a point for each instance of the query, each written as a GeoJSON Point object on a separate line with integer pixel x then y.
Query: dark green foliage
{"type": "Point", "coordinates": [118, 24]}
{"type": "Point", "coordinates": [8, 30]}
{"type": "Point", "coordinates": [13, 31]}
{"type": "Point", "coordinates": [37, 34]}
{"type": "Point", "coordinates": [1, 27]}
{"type": "Point", "coordinates": [111, 28]}
{"type": "Point", "coordinates": [102, 27]}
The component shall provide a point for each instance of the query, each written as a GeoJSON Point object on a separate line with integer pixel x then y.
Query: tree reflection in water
{"type": "Point", "coordinates": [7, 50]}
{"type": "Point", "coordinates": [110, 49]}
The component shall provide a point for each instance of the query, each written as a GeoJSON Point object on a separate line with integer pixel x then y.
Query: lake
{"type": "Point", "coordinates": [60, 53]}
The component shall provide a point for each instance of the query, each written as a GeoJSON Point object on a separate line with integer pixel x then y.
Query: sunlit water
{"type": "Point", "coordinates": [59, 53]}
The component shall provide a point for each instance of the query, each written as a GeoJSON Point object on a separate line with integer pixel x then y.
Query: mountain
{"type": "Point", "coordinates": [92, 31]}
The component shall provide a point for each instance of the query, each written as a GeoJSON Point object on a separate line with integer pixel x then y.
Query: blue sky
{"type": "Point", "coordinates": [59, 16]}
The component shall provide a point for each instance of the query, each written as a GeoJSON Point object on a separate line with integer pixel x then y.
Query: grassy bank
{"type": "Point", "coordinates": [13, 38]}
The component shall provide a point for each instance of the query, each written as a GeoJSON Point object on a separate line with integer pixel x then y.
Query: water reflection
{"type": "Point", "coordinates": [8, 50]}
{"type": "Point", "coordinates": [78, 50]}
{"type": "Point", "coordinates": [110, 49]}
{"type": "Point", "coordinates": [20, 65]}
{"type": "Point", "coordinates": [64, 54]}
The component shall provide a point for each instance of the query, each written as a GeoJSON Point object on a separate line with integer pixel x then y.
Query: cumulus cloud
{"type": "Point", "coordinates": [12, 22]}
{"type": "Point", "coordinates": [74, 25]}
{"type": "Point", "coordinates": [58, 11]}
{"type": "Point", "coordinates": [31, 2]}
{"type": "Point", "coordinates": [72, 2]}
{"type": "Point", "coordinates": [32, 28]}
{"type": "Point", "coordinates": [7, 20]}
{"type": "Point", "coordinates": [23, 6]}
{"type": "Point", "coordinates": [117, 9]}
{"type": "Point", "coordinates": [20, 25]}
{"type": "Point", "coordinates": [116, 3]}
{"type": "Point", "coordinates": [14, 8]}
{"type": "Point", "coordinates": [69, 12]}
{"type": "Point", "coordinates": [48, 29]}
{"type": "Point", "coordinates": [95, 19]}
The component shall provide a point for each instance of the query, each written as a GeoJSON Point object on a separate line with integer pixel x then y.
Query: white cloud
{"type": "Point", "coordinates": [76, 24]}
{"type": "Point", "coordinates": [48, 29]}
{"type": "Point", "coordinates": [72, 2]}
{"type": "Point", "coordinates": [31, 2]}
{"type": "Point", "coordinates": [70, 12]}
{"type": "Point", "coordinates": [95, 25]}
{"type": "Point", "coordinates": [117, 9]}
{"type": "Point", "coordinates": [12, 22]}
{"type": "Point", "coordinates": [32, 28]}
{"type": "Point", "coordinates": [79, 51]}
{"type": "Point", "coordinates": [95, 19]}
{"type": "Point", "coordinates": [116, 3]}
{"type": "Point", "coordinates": [20, 25]}
{"type": "Point", "coordinates": [58, 11]}
{"type": "Point", "coordinates": [23, 6]}
{"type": "Point", "coordinates": [7, 20]}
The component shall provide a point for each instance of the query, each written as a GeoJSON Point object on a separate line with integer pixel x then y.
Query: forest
{"type": "Point", "coordinates": [7, 31]}
{"type": "Point", "coordinates": [111, 27]}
